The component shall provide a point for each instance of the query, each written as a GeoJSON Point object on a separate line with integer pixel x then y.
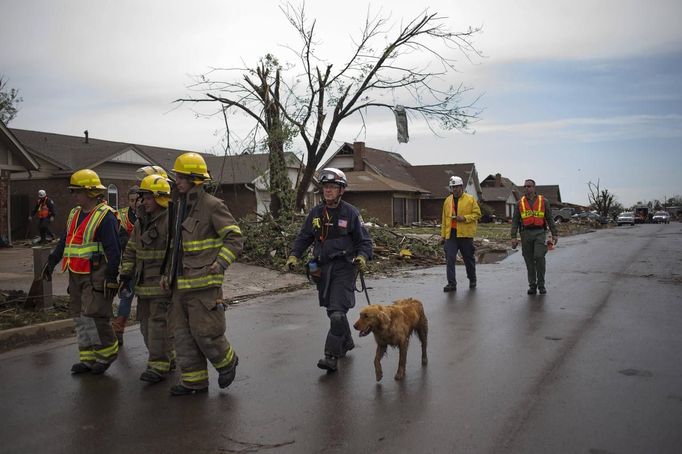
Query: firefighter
{"type": "Point", "coordinates": [205, 241]}
{"type": "Point", "coordinates": [141, 269]}
{"type": "Point", "coordinates": [340, 243]}
{"type": "Point", "coordinates": [44, 210]}
{"type": "Point", "coordinates": [90, 251]}
{"type": "Point", "coordinates": [128, 215]}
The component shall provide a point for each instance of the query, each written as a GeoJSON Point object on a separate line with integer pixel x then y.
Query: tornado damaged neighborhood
{"type": "Point", "coordinates": [243, 228]}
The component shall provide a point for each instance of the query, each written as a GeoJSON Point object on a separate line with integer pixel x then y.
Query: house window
{"type": "Point", "coordinates": [112, 196]}
{"type": "Point", "coordinates": [405, 211]}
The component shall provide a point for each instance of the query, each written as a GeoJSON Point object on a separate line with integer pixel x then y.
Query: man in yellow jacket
{"type": "Point", "coordinates": [458, 228]}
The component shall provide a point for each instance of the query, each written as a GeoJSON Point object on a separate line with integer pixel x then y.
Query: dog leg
{"type": "Point", "coordinates": [422, 332]}
{"type": "Point", "coordinates": [381, 350]}
{"type": "Point", "coordinates": [401, 362]}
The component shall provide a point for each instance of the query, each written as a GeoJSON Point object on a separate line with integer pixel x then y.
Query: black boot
{"type": "Point", "coordinates": [450, 288]}
{"type": "Point", "coordinates": [151, 377]}
{"type": "Point", "coordinates": [532, 290]}
{"type": "Point", "coordinates": [472, 283]}
{"type": "Point", "coordinates": [328, 363]}
{"type": "Point", "coordinates": [179, 390]}
{"type": "Point", "coordinates": [542, 289]}
{"type": "Point", "coordinates": [347, 346]}
{"type": "Point", "coordinates": [99, 368]}
{"type": "Point", "coordinates": [226, 376]}
{"type": "Point", "coordinates": [80, 368]}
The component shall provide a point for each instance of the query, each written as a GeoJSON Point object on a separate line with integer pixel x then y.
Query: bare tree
{"type": "Point", "coordinates": [600, 199]}
{"type": "Point", "coordinates": [9, 98]}
{"type": "Point", "coordinates": [321, 96]}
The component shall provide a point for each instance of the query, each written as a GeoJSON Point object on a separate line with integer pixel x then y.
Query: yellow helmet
{"type": "Point", "coordinates": [192, 165]}
{"type": "Point", "coordinates": [158, 186]}
{"type": "Point", "coordinates": [150, 170]}
{"type": "Point", "coordinates": [85, 179]}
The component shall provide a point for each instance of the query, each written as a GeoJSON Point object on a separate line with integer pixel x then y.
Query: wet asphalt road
{"type": "Point", "coordinates": [594, 367]}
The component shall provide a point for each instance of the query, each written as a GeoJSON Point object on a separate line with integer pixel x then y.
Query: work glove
{"type": "Point", "coordinates": [361, 262]}
{"type": "Point", "coordinates": [110, 289]}
{"type": "Point", "coordinates": [514, 243]}
{"type": "Point", "coordinates": [292, 262]}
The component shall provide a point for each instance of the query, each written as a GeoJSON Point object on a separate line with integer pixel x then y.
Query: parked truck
{"type": "Point", "coordinates": [641, 214]}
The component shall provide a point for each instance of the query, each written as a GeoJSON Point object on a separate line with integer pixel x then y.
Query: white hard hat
{"type": "Point", "coordinates": [455, 181]}
{"type": "Point", "coordinates": [42, 193]}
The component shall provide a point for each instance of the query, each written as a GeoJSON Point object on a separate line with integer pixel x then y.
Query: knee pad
{"type": "Point", "coordinates": [338, 323]}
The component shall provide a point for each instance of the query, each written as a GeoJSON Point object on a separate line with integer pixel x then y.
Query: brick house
{"type": "Point", "coordinates": [379, 183]}
{"type": "Point", "coordinates": [13, 159]}
{"type": "Point", "coordinates": [436, 178]}
{"type": "Point", "coordinates": [387, 187]}
{"type": "Point", "coordinates": [501, 195]}
{"type": "Point", "coordinates": [58, 156]}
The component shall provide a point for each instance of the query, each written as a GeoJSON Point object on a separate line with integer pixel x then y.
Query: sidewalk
{"type": "Point", "coordinates": [16, 273]}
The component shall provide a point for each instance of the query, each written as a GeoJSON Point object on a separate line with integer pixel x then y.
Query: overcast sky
{"type": "Point", "coordinates": [572, 90]}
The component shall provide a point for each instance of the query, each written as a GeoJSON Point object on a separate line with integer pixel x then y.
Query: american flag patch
{"type": "Point", "coordinates": [343, 223]}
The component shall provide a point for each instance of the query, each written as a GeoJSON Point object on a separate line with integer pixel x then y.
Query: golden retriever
{"type": "Point", "coordinates": [392, 325]}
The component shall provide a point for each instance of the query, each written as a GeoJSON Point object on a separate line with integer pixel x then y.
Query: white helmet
{"type": "Point", "coordinates": [332, 175]}
{"type": "Point", "coordinates": [455, 181]}
{"type": "Point", "coordinates": [42, 193]}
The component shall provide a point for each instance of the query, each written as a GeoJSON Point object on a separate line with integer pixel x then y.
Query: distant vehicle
{"type": "Point", "coordinates": [626, 217]}
{"type": "Point", "coordinates": [589, 216]}
{"type": "Point", "coordinates": [564, 214]}
{"type": "Point", "coordinates": [661, 217]}
{"type": "Point", "coordinates": [641, 214]}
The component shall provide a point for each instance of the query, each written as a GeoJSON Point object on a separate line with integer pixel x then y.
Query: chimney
{"type": "Point", "coordinates": [498, 180]}
{"type": "Point", "coordinates": [86, 136]}
{"type": "Point", "coordinates": [358, 156]}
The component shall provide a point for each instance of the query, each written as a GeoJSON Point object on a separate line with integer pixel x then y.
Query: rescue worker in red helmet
{"type": "Point", "coordinates": [90, 251]}
{"type": "Point", "coordinates": [206, 240]}
{"type": "Point", "coordinates": [141, 268]}
{"type": "Point", "coordinates": [340, 243]}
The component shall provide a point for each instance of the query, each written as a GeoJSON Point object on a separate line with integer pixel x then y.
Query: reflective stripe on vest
{"type": "Point", "coordinates": [534, 216]}
{"type": "Point", "coordinates": [43, 210]}
{"type": "Point", "coordinates": [80, 242]}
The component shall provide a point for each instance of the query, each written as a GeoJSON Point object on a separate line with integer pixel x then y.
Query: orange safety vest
{"type": "Point", "coordinates": [80, 242]}
{"type": "Point", "coordinates": [125, 220]}
{"type": "Point", "coordinates": [535, 216]}
{"type": "Point", "coordinates": [43, 210]}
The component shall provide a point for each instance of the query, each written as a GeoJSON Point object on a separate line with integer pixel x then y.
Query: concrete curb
{"type": "Point", "coordinates": [25, 335]}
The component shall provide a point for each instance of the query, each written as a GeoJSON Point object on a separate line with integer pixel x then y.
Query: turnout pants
{"type": "Point", "coordinates": [153, 316]}
{"type": "Point", "coordinates": [92, 314]}
{"type": "Point", "coordinates": [534, 248]}
{"type": "Point", "coordinates": [199, 320]}
{"type": "Point", "coordinates": [466, 247]}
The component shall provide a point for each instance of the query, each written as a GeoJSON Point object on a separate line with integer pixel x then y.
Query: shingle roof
{"type": "Point", "coordinates": [495, 194]}
{"type": "Point", "coordinates": [435, 178]}
{"type": "Point", "coordinates": [489, 182]}
{"type": "Point", "coordinates": [365, 181]}
{"type": "Point", "coordinates": [71, 152]}
{"type": "Point", "coordinates": [551, 192]}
